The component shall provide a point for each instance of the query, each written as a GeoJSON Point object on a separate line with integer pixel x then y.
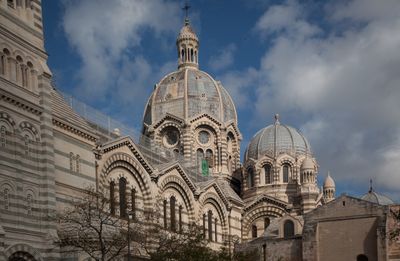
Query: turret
{"type": "Point", "coordinates": [329, 188]}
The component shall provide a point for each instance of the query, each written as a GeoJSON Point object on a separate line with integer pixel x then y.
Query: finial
{"type": "Point", "coordinates": [186, 8]}
{"type": "Point", "coordinates": [329, 173]}
{"type": "Point", "coordinates": [370, 186]}
{"type": "Point", "coordinates": [277, 119]}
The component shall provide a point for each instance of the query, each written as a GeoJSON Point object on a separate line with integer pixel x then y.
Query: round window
{"type": "Point", "coordinates": [171, 137]}
{"type": "Point", "coordinates": [204, 137]}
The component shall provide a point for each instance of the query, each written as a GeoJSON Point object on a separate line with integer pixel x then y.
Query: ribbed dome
{"type": "Point", "coordinates": [276, 139]}
{"type": "Point", "coordinates": [329, 182]}
{"type": "Point", "coordinates": [187, 93]}
{"type": "Point", "coordinates": [374, 197]}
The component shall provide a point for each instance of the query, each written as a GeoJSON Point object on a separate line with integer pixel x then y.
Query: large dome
{"type": "Point", "coordinates": [276, 139]}
{"type": "Point", "coordinates": [187, 93]}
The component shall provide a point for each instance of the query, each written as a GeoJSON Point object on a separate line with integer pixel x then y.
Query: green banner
{"type": "Point", "coordinates": [204, 167]}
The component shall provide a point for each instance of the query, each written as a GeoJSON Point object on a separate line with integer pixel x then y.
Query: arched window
{"type": "Point", "coordinates": [362, 257]}
{"type": "Point", "coordinates": [112, 197]}
{"type": "Point", "coordinates": [6, 196]}
{"type": "Point", "coordinates": [122, 197]}
{"type": "Point", "coordinates": [210, 232]}
{"type": "Point", "coordinates": [250, 178]}
{"type": "Point", "coordinates": [288, 229]}
{"type": "Point", "coordinates": [182, 55]}
{"type": "Point", "coordinates": [10, 3]}
{"type": "Point", "coordinates": [2, 64]}
{"type": "Point", "coordinates": [3, 140]}
{"type": "Point", "coordinates": [254, 231]}
{"type": "Point", "coordinates": [180, 219]}
{"type": "Point", "coordinates": [210, 158]}
{"type": "Point", "coordinates": [172, 202]}
{"type": "Point", "coordinates": [266, 223]}
{"type": "Point", "coordinates": [133, 203]}
{"type": "Point", "coordinates": [216, 230]}
{"type": "Point", "coordinates": [165, 214]}
{"type": "Point", "coordinates": [191, 55]}
{"type": "Point", "coordinates": [71, 161]}
{"type": "Point", "coordinates": [230, 164]}
{"type": "Point", "coordinates": [268, 174]}
{"type": "Point", "coordinates": [200, 156]}
{"type": "Point", "coordinates": [204, 225]}
{"type": "Point", "coordinates": [26, 144]}
{"type": "Point", "coordinates": [78, 163]}
{"type": "Point", "coordinates": [286, 171]}
{"type": "Point", "coordinates": [29, 202]}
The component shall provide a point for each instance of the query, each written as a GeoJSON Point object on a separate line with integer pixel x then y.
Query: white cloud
{"type": "Point", "coordinates": [224, 58]}
{"type": "Point", "coordinates": [342, 84]}
{"type": "Point", "coordinates": [238, 85]}
{"type": "Point", "coordinates": [104, 32]}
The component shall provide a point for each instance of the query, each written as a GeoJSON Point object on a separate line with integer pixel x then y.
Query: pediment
{"type": "Point", "coordinates": [128, 144]}
{"type": "Point", "coordinates": [268, 199]}
{"type": "Point", "coordinates": [212, 185]}
{"type": "Point", "coordinates": [169, 167]}
{"type": "Point", "coordinates": [203, 117]}
{"type": "Point", "coordinates": [169, 117]}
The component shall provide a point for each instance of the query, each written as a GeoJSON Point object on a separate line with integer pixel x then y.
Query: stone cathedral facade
{"type": "Point", "coordinates": [49, 154]}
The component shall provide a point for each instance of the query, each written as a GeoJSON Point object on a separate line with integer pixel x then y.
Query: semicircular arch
{"type": "Point", "coordinates": [181, 187]}
{"type": "Point", "coordinates": [213, 199]}
{"type": "Point", "coordinates": [257, 212]}
{"type": "Point", "coordinates": [125, 161]}
{"type": "Point", "coordinates": [23, 248]}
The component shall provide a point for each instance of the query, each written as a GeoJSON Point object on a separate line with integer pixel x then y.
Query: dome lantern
{"type": "Point", "coordinates": [187, 45]}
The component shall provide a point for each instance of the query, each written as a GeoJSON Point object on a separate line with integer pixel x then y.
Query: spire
{"type": "Point", "coordinates": [187, 44]}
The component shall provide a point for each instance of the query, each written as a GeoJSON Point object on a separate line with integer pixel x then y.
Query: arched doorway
{"type": "Point", "coordinates": [362, 258]}
{"type": "Point", "coordinates": [21, 256]}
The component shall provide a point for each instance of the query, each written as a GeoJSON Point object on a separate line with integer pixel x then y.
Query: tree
{"type": "Point", "coordinates": [190, 245]}
{"type": "Point", "coordinates": [88, 226]}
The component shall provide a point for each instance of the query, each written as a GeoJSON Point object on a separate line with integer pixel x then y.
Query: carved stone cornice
{"type": "Point", "coordinates": [65, 126]}
{"type": "Point", "coordinates": [20, 103]}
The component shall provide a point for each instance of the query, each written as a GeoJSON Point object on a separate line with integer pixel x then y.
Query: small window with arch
{"type": "Point", "coordinates": [288, 229]}
{"type": "Point", "coordinates": [3, 138]}
{"type": "Point", "coordinates": [250, 178]}
{"type": "Point", "coordinates": [27, 142]}
{"type": "Point", "coordinates": [6, 197]}
{"type": "Point", "coordinates": [268, 173]}
{"type": "Point", "coordinates": [29, 203]}
{"type": "Point", "coordinates": [286, 172]}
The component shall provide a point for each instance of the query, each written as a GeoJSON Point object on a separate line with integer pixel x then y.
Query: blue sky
{"type": "Point", "coordinates": [329, 68]}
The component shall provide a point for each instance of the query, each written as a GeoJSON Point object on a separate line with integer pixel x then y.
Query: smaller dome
{"type": "Point", "coordinates": [307, 164]}
{"type": "Point", "coordinates": [276, 139]}
{"type": "Point", "coordinates": [329, 182]}
{"type": "Point", "coordinates": [377, 198]}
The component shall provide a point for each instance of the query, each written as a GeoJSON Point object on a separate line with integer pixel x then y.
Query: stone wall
{"type": "Point", "coordinates": [274, 249]}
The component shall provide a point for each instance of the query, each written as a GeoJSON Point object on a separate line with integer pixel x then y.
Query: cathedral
{"type": "Point", "coordinates": [186, 162]}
